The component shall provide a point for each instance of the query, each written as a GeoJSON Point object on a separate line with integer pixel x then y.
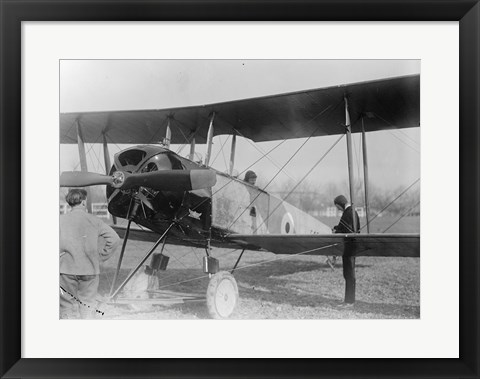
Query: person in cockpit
{"type": "Point", "coordinates": [250, 177]}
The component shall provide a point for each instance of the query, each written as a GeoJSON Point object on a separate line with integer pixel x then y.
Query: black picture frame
{"type": "Point", "coordinates": [13, 12]}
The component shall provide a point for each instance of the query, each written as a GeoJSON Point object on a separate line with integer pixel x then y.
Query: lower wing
{"type": "Point", "coordinates": [379, 245]}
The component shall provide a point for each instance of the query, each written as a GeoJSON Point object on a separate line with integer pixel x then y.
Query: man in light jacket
{"type": "Point", "coordinates": [85, 241]}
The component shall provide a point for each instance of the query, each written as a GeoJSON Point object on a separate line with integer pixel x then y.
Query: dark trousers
{"type": "Point", "coordinates": [349, 275]}
{"type": "Point", "coordinates": [78, 295]}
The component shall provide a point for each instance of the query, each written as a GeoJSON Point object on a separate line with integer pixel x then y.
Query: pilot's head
{"type": "Point", "coordinates": [76, 197]}
{"type": "Point", "coordinates": [340, 202]}
{"type": "Point", "coordinates": [250, 177]}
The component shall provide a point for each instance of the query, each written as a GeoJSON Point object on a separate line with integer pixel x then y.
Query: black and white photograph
{"type": "Point", "coordinates": [239, 189]}
{"type": "Point", "coordinates": [239, 185]}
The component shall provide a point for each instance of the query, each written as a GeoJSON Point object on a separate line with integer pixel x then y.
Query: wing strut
{"type": "Point", "coordinates": [349, 262]}
{"type": "Point", "coordinates": [120, 258]}
{"type": "Point", "coordinates": [365, 175]}
{"type": "Point", "coordinates": [168, 135]}
{"type": "Point", "coordinates": [106, 155]}
{"type": "Point", "coordinates": [350, 161]}
{"type": "Point", "coordinates": [191, 156]}
{"type": "Point", "coordinates": [83, 160]}
{"type": "Point", "coordinates": [232, 153]}
{"type": "Point", "coordinates": [209, 141]}
{"type": "Point", "coordinates": [237, 262]}
{"type": "Point", "coordinates": [108, 165]}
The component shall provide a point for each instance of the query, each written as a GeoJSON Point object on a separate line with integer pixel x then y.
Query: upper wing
{"type": "Point", "coordinates": [381, 104]}
{"type": "Point", "coordinates": [381, 245]}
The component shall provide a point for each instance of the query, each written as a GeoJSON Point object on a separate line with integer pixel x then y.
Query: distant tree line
{"type": "Point", "coordinates": [313, 197]}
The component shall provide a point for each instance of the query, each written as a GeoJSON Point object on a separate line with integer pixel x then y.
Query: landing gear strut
{"type": "Point", "coordinates": [132, 273]}
{"type": "Point", "coordinates": [222, 292]}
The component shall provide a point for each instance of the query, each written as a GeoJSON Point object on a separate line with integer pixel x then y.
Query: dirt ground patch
{"type": "Point", "coordinates": [276, 287]}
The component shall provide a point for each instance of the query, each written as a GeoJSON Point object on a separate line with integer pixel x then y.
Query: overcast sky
{"type": "Point", "coordinates": [96, 85]}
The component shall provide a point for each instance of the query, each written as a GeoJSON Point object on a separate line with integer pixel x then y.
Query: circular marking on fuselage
{"type": "Point", "coordinates": [288, 226]}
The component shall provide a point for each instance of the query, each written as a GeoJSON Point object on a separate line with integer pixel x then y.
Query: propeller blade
{"type": "Point", "coordinates": [83, 179]}
{"type": "Point", "coordinates": [172, 180]}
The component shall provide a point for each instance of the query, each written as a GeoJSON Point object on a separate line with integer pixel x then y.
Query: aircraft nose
{"type": "Point", "coordinates": [202, 179]}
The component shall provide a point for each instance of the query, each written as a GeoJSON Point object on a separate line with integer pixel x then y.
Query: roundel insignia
{"type": "Point", "coordinates": [288, 226]}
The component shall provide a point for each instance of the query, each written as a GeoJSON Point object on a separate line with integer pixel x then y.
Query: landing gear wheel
{"type": "Point", "coordinates": [222, 295]}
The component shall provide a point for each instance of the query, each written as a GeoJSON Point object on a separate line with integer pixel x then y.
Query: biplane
{"type": "Point", "coordinates": [189, 203]}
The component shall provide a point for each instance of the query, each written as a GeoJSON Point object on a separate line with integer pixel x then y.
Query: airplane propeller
{"type": "Point", "coordinates": [164, 180]}
{"type": "Point", "coordinates": [83, 179]}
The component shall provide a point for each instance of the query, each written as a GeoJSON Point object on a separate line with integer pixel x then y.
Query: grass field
{"type": "Point", "coordinates": [281, 287]}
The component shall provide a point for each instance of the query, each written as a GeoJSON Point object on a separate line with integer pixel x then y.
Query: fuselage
{"type": "Point", "coordinates": [232, 206]}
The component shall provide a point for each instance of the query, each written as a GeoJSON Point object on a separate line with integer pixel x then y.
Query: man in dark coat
{"type": "Point", "coordinates": [346, 226]}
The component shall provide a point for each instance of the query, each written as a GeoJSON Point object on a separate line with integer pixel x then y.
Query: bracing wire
{"type": "Point", "coordinates": [405, 143]}
{"type": "Point", "coordinates": [113, 142]}
{"type": "Point", "coordinates": [223, 155]}
{"type": "Point", "coordinates": [301, 180]}
{"type": "Point", "coordinates": [179, 260]}
{"type": "Point", "coordinates": [286, 256]}
{"type": "Point", "coordinates": [385, 207]}
{"type": "Point", "coordinates": [233, 179]}
{"type": "Point", "coordinates": [88, 152]}
{"type": "Point", "coordinates": [308, 122]}
{"type": "Point", "coordinates": [191, 134]}
{"type": "Point", "coordinates": [391, 133]}
{"type": "Point", "coordinates": [408, 137]}
{"type": "Point", "coordinates": [99, 166]}
{"type": "Point", "coordinates": [218, 152]}
{"type": "Point", "coordinates": [180, 148]}
{"type": "Point", "coordinates": [262, 152]}
{"type": "Point", "coordinates": [265, 155]}
{"type": "Point", "coordinates": [171, 284]}
{"type": "Point", "coordinates": [285, 164]}
{"type": "Point", "coordinates": [172, 275]}
{"type": "Point", "coordinates": [175, 124]}
{"type": "Point", "coordinates": [271, 180]}
{"type": "Point", "coordinates": [74, 123]}
{"type": "Point", "coordinates": [91, 163]}
{"type": "Point", "coordinates": [196, 256]}
{"type": "Point", "coordinates": [311, 135]}
{"type": "Point", "coordinates": [230, 181]}
{"type": "Point", "coordinates": [162, 125]}
{"type": "Point", "coordinates": [403, 215]}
